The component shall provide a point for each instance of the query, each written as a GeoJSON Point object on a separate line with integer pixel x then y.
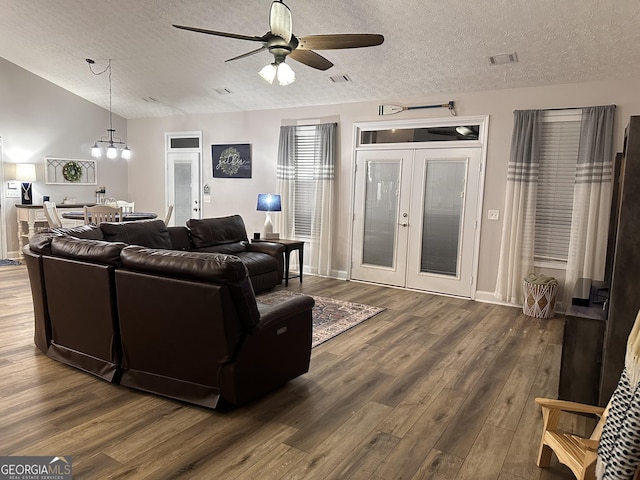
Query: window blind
{"type": "Point", "coordinates": [303, 215]}
{"type": "Point", "coordinates": [560, 136]}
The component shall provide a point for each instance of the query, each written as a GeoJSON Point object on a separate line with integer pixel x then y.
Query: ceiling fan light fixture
{"type": "Point", "coordinates": [286, 75]}
{"type": "Point", "coordinates": [464, 130]}
{"type": "Point", "coordinates": [281, 42]}
{"type": "Point", "coordinates": [268, 72]}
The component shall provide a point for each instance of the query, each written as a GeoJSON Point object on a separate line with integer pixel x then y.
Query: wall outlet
{"type": "Point", "coordinates": [493, 214]}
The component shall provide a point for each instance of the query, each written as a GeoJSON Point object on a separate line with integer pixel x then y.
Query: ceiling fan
{"type": "Point", "coordinates": [282, 43]}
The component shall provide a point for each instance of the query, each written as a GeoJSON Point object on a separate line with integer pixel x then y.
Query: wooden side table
{"type": "Point", "coordinates": [289, 246]}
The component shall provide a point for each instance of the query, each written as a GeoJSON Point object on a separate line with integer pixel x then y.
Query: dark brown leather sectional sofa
{"type": "Point", "coordinates": [159, 314]}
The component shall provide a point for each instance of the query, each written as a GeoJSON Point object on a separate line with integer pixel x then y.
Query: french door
{"type": "Point", "coordinates": [415, 218]}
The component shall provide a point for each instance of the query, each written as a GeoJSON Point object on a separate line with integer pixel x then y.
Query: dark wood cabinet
{"type": "Point", "coordinates": [624, 295]}
{"type": "Point", "coordinates": [582, 349]}
{"type": "Point", "coordinates": [595, 339]}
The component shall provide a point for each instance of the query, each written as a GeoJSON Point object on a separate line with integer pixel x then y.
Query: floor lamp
{"type": "Point", "coordinates": [268, 203]}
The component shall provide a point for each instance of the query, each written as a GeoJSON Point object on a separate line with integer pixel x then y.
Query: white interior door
{"type": "Point", "coordinates": [442, 223]}
{"type": "Point", "coordinates": [183, 186]}
{"type": "Point", "coordinates": [379, 242]}
{"type": "Point", "coordinates": [415, 217]}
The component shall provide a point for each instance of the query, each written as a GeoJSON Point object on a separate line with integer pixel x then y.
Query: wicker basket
{"type": "Point", "coordinates": [539, 300]}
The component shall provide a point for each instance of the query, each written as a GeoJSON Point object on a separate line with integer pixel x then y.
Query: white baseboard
{"type": "Point", "coordinates": [339, 274]}
{"type": "Point", "coordinates": [489, 297]}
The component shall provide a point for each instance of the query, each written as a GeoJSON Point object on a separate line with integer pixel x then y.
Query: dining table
{"type": "Point", "coordinates": [126, 216]}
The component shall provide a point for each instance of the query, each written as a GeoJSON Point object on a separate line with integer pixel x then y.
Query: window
{"type": "Point", "coordinates": [560, 136]}
{"type": "Point", "coordinates": [304, 217]}
{"type": "Point", "coordinates": [306, 159]}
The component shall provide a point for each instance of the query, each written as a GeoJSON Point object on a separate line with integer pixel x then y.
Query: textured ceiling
{"type": "Point", "coordinates": [430, 47]}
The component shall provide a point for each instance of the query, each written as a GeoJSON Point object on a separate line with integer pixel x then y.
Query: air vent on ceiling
{"type": "Point", "coordinates": [223, 91]}
{"type": "Point", "coordinates": [339, 78]}
{"type": "Point", "coordinates": [503, 59]}
{"type": "Point", "coordinates": [150, 99]}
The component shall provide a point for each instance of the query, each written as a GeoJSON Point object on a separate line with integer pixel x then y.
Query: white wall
{"type": "Point", "coordinates": [261, 129]}
{"type": "Point", "coordinates": [38, 119]}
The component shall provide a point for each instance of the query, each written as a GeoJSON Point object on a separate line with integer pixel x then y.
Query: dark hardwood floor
{"type": "Point", "coordinates": [432, 388]}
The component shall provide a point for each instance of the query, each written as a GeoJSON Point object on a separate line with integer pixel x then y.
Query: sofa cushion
{"type": "Point", "coordinates": [93, 251]}
{"type": "Point", "coordinates": [146, 233]}
{"type": "Point", "coordinates": [221, 269]}
{"type": "Point", "coordinates": [91, 232]}
{"type": "Point", "coordinates": [40, 243]}
{"type": "Point", "coordinates": [210, 232]}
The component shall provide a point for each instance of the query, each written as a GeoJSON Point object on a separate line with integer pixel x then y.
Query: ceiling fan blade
{"type": "Point", "coordinates": [280, 20]}
{"type": "Point", "coordinates": [252, 52]}
{"type": "Point", "coordinates": [311, 58]}
{"type": "Point", "coordinates": [220, 34]}
{"type": "Point", "coordinates": [339, 40]}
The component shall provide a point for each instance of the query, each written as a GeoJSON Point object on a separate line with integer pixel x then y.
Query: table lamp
{"type": "Point", "coordinates": [26, 173]}
{"type": "Point", "coordinates": [268, 203]}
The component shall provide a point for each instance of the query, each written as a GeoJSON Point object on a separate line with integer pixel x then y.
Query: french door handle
{"type": "Point", "coordinates": [405, 224]}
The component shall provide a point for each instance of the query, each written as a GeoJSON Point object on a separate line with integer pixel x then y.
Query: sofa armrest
{"type": "Point", "coordinates": [276, 250]}
{"type": "Point", "coordinates": [273, 315]}
{"type": "Point", "coordinates": [276, 350]}
{"type": "Point", "coordinates": [567, 406]}
{"type": "Point", "coordinates": [270, 248]}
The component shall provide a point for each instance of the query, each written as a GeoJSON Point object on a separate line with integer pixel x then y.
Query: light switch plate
{"type": "Point", "coordinates": [493, 215]}
{"type": "Point", "coordinates": [12, 194]}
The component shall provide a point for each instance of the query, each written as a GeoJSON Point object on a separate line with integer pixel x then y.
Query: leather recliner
{"type": "Point", "coordinates": [264, 260]}
{"type": "Point", "coordinates": [191, 328]}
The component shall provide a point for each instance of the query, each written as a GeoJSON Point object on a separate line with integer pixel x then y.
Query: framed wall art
{"type": "Point", "coordinates": [69, 171]}
{"type": "Point", "coordinates": [231, 160]}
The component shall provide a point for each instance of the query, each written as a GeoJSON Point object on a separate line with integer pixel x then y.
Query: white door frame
{"type": "Point", "coordinates": [3, 209]}
{"type": "Point", "coordinates": [481, 120]}
{"type": "Point", "coordinates": [168, 136]}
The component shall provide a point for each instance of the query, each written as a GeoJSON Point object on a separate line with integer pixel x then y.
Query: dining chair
{"type": "Point", "coordinates": [127, 207]}
{"type": "Point", "coordinates": [102, 213]}
{"type": "Point", "coordinates": [167, 217]}
{"type": "Point", "coordinates": [51, 213]}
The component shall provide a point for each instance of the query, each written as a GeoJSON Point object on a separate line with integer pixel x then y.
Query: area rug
{"type": "Point", "coordinates": [331, 317]}
{"type": "Point", "coordinates": [5, 262]}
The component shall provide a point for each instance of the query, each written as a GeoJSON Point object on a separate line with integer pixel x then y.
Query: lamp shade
{"type": "Point", "coordinates": [286, 75]}
{"type": "Point", "coordinates": [268, 202]}
{"type": "Point", "coordinates": [26, 172]}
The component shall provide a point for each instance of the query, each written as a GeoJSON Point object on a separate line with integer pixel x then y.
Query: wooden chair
{"type": "Point", "coordinates": [167, 217]}
{"type": "Point", "coordinates": [579, 454]}
{"type": "Point", "coordinates": [102, 213]}
{"type": "Point", "coordinates": [51, 213]}
{"type": "Point", "coordinates": [127, 207]}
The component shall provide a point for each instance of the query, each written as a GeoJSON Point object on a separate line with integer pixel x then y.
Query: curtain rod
{"type": "Point", "coordinates": [570, 108]}
{"type": "Point", "coordinates": [311, 124]}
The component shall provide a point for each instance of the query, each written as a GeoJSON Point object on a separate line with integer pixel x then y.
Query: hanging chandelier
{"type": "Point", "coordinates": [111, 144]}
